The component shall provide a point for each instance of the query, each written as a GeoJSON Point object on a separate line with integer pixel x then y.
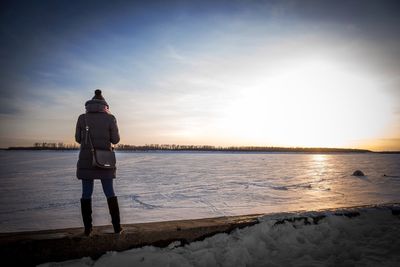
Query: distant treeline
{"type": "Point", "coordinates": [174, 147]}
{"type": "Point", "coordinates": [47, 146]}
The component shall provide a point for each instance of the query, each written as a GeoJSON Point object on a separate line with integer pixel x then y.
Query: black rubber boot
{"type": "Point", "coordinates": [86, 209]}
{"type": "Point", "coordinates": [114, 212]}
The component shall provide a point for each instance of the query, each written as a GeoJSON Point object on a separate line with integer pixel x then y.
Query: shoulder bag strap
{"type": "Point", "coordinates": [88, 135]}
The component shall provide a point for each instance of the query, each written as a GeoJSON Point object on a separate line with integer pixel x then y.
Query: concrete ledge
{"type": "Point", "coordinates": [32, 248]}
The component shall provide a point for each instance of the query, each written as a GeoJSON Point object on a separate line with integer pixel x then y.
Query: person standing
{"type": "Point", "coordinates": [103, 133]}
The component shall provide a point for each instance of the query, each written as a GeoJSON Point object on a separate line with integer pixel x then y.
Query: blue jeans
{"type": "Point", "coordinates": [87, 188]}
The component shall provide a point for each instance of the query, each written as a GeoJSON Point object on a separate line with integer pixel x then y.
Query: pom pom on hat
{"type": "Point", "coordinates": [97, 95]}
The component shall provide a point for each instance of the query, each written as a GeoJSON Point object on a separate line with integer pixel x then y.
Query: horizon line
{"type": "Point", "coordinates": [62, 145]}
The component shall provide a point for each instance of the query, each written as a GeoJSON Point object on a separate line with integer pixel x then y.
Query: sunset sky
{"type": "Point", "coordinates": [262, 73]}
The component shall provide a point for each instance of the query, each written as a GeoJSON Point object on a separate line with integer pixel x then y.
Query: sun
{"type": "Point", "coordinates": [310, 102]}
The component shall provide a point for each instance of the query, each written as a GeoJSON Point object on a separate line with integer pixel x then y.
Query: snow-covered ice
{"type": "Point", "coordinates": [371, 239]}
{"type": "Point", "coordinates": [39, 189]}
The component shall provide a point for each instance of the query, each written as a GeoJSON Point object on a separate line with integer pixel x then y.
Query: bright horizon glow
{"type": "Point", "coordinates": [311, 103]}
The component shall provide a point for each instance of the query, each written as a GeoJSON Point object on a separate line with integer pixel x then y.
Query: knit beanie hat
{"type": "Point", "coordinates": [97, 95]}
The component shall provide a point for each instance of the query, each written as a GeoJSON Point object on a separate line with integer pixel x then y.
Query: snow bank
{"type": "Point", "coordinates": [370, 239]}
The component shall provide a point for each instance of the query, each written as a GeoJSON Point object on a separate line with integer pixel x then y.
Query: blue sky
{"type": "Point", "coordinates": [285, 73]}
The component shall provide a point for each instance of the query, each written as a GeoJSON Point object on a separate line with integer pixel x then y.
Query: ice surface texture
{"type": "Point", "coordinates": [39, 189]}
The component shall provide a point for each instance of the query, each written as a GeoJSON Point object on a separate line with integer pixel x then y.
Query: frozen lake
{"type": "Point", "coordinates": [39, 189]}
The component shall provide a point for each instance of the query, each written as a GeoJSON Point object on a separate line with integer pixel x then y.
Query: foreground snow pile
{"type": "Point", "coordinates": [371, 239]}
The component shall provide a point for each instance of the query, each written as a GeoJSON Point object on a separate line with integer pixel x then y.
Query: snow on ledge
{"type": "Point", "coordinates": [364, 236]}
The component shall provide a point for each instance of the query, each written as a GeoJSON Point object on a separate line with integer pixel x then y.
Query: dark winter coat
{"type": "Point", "coordinates": [103, 131]}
